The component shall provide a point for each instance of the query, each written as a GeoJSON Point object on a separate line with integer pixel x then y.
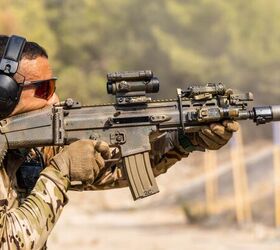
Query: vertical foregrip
{"type": "Point", "coordinates": [140, 176]}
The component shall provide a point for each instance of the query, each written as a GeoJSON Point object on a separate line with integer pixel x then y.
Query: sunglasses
{"type": "Point", "coordinates": [44, 89]}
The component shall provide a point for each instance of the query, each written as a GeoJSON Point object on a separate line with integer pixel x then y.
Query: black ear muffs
{"type": "Point", "coordinates": [10, 90]}
{"type": "Point", "coordinates": [9, 95]}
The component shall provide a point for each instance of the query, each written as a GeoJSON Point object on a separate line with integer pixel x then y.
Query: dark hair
{"type": "Point", "coordinates": [31, 50]}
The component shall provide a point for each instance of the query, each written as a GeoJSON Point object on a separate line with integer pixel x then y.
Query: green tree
{"type": "Point", "coordinates": [28, 19]}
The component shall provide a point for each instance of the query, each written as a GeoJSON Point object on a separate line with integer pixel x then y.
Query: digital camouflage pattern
{"type": "Point", "coordinates": [26, 220]}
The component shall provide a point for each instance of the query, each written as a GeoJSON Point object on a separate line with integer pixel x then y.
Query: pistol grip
{"type": "Point", "coordinates": [140, 176]}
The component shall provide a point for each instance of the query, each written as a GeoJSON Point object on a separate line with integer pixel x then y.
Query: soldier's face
{"type": "Point", "coordinates": [33, 70]}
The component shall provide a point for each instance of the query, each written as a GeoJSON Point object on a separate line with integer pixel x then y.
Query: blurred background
{"type": "Point", "coordinates": [210, 200]}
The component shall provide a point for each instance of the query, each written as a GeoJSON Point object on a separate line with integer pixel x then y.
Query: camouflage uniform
{"type": "Point", "coordinates": [26, 221]}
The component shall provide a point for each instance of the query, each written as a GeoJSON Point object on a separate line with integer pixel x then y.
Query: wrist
{"type": "Point", "coordinates": [59, 163]}
{"type": "Point", "coordinates": [57, 177]}
{"type": "Point", "coordinates": [187, 144]}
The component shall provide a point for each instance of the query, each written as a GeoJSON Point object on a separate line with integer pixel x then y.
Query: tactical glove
{"type": "Point", "coordinates": [215, 135]}
{"type": "Point", "coordinates": [166, 151]}
{"type": "Point", "coordinates": [82, 160]}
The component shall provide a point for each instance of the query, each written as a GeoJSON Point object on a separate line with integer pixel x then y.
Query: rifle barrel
{"type": "Point", "coordinates": [264, 114]}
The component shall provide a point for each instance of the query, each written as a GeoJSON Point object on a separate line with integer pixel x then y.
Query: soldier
{"type": "Point", "coordinates": [27, 215]}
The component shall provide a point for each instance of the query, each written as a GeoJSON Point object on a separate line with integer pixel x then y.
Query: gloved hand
{"type": "Point", "coordinates": [82, 160]}
{"type": "Point", "coordinates": [165, 151]}
{"type": "Point", "coordinates": [215, 135]}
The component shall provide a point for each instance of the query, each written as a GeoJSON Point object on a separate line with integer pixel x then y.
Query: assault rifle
{"type": "Point", "coordinates": [127, 123]}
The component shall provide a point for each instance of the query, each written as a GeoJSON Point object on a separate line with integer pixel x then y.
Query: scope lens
{"type": "Point", "coordinates": [109, 88]}
{"type": "Point", "coordinates": [153, 86]}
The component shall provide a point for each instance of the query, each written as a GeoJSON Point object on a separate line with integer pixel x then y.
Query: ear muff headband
{"type": "Point", "coordinates": [10, 90]}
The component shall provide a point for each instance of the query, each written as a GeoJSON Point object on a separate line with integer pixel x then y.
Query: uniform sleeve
{"type": "Point", "coordinates": [29, 225]}
{"type": "Point", "coordinates": [165, 152]}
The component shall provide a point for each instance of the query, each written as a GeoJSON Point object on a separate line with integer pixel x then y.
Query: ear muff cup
{"type": "Point", "coordinates": [10, 92]}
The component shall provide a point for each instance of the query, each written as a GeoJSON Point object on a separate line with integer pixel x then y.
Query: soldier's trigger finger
{"type": "Point", "coordinates": [210, 144]}
{"type": "Point", "coordinates": [231, 126]}
{"type": "Point", "coordinates": [103, 148]}
{"type": "Point", "coordinates": [213, 136]}
{"type": "Point", "coordinates": [100, 161]}
{"type": "Point", "coordinates": [221, 131]}
{"type": "Point", "coordinates": [95, 171]}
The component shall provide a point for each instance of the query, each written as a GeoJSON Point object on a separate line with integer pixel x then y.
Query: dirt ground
{"type": "Point", "coordinates": [152, 229]}
{"type": "Point", "coordinates": [111, 220]}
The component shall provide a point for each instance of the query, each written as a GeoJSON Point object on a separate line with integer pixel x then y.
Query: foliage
{"type": "Point", "coordinates": [188, 41]}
